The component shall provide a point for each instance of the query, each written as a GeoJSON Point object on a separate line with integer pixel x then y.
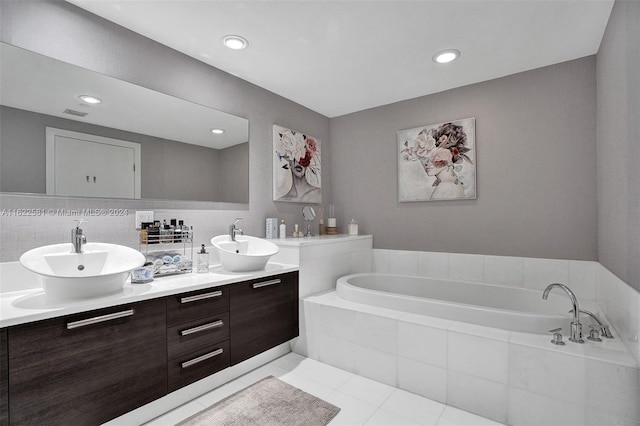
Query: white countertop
{"type": "Point", "coordinates": [19, 306]}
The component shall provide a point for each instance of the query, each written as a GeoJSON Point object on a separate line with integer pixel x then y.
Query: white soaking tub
{"type": "Point", "coordinates": [508, 308]}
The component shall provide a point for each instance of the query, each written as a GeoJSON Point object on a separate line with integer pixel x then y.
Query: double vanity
{"type": "Point", "coordinates": [87, 361]}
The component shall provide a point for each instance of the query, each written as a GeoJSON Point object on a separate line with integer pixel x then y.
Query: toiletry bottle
{"type": "Point", "coordinates": [143, 232]}
{"type": "Point", "coordinates": [202, 260]}
{"type": "Point", "coordinates": [177, 232]}
{"type": "Point", "coordinates": [283, 229]}
{"type": "Point", "coordinates": [353, 227]}
{"type": "Point", "coordinates": [172, 229]}
{"type": "Point", "coordinates": [295, 230]}
{"type": "Point", "coordinates": [153, 234]}
{"type": "Point", "coordinates": [164, 232]}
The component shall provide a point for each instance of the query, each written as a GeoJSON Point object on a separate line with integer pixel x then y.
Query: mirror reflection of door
{"type": "Point", "coordinates": [80, 164]}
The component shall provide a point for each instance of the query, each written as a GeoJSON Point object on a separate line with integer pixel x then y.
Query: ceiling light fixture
{"type": "Point", "coordinates": [446, 56]}
{"type": "Point", "coordinates": [235, 42]}
{"type": "Point", "coordinates": [90, 99]}
{"type": "Point", "coordinates": [217, 131]}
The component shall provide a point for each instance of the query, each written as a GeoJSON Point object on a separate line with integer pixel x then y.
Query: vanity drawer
{"type": "Point", "coordinates": [199, 364]}
{"type": "Point", "coordinates": [188, 337]}
{"type": "Point", "coordinates": [264, 294]}
{"type": "Point", "coordinates": [186, 307]}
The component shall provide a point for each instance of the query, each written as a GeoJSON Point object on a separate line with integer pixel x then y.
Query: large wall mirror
{"type": "Point", "coordinates": [135, 143]}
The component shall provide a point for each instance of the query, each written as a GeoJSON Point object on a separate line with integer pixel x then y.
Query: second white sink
{"type": "Point", "coordinates": [245, 254]}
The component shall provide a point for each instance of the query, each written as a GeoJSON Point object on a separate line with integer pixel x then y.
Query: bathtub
{"type": "Point", "coordinates": [508, 308]}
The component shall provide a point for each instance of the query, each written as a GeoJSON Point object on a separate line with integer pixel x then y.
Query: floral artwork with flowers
{"type": "Point", "coordinates": [437, 162]}
{"type": "Point", "coordinates": [297, 173]}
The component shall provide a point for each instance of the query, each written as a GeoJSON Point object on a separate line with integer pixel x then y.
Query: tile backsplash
{"type": "Point", "coordinates": [27, 222]}
{"type": "Point", "coordinates": [531, 273]}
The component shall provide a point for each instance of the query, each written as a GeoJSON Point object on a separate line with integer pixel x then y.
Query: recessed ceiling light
{"type": "Point", "coordinates": [235, 42]}
{"type": "Point", "coordinates": [217, 131]}
{"type": "Point", "coordinates": [446, 56]}
{"type": "Point", "coordinates": [90, 99]}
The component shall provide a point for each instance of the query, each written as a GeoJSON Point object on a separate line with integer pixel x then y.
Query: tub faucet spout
{"type": "Point", "coordinates": [576, 326]}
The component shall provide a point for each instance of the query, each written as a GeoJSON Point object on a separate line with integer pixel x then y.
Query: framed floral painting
{"type": "Point", "coordinates": [437, 161]}
{"type": "Point", "coordinates": [297, 175]}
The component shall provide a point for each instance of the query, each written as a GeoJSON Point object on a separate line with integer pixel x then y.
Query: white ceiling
{"type": "Point", "coordinates": [338, 57]}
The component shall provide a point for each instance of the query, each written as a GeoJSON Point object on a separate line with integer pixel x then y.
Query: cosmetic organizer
{"type": "Point", "coordinates": [171, 253]}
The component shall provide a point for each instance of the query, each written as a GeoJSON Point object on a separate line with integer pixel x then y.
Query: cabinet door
{"type": "Point", "coordinates": [4, 379]}
{"type": "Point", "coordinates": [263, 314]}
{"type": "Point", "coordinates": [88, 368]}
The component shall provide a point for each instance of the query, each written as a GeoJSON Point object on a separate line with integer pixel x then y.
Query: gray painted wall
{"type": "Point", "coordinates": [536, 168]}
{"type": "Point", "coordinates": [233, 167]}
{"type": "Point", "coordinates": [618, 81]}
{"type": "Point", "coordinates": [68, 33]}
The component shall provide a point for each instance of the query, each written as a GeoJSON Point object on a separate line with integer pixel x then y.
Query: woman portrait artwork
{"type": "Point", "coordinates": [296, 169]}
{"type": "Point", "coordinates": [437, 162]}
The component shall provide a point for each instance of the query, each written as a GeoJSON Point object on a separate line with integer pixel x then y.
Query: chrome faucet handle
{"type": "Point", "coordinates": [79, 221]}
{"type": "Point", "coordinates": [606, 333]}
{"type": "Point", "coordinates": [557, 336]}
{"type": "Point", "coordinates": [594, 335]}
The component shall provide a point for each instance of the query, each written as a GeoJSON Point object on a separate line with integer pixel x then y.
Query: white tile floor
{"type": "Point", "coordinates": [362, 401]}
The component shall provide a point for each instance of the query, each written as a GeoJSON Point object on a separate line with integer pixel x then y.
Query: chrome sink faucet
{"type": "Point", "coordinates": [233, 231]}
{"type": "Point", "coordinates": [576, 326]}
{"type": "Point", "coordinates": [77, 237]}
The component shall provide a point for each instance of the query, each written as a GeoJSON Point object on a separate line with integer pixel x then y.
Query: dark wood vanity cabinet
{"type": "Point", "coordinates": [263, 314]}
{"type": "Point", "coordinates": [88, 368]}
{"type": "Point", "coordinates": [4, 379]}
{"type": "Point", "coordinates": [91, 367]}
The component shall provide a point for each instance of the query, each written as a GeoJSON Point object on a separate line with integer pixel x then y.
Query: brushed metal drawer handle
{"type": "Point", "coordinates": [201, 358]}
{"type": "Point", "coordinates": [200, 297]}
{"type": "Point", "coordinates": [202, 327]}
{"type": "Point", "coordinates": [101, 318]}
{"type": "Point", "coordinates": [266, 283]}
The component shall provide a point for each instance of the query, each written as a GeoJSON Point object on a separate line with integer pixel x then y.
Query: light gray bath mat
{"type": "Point", "coordinates": [269, 402]}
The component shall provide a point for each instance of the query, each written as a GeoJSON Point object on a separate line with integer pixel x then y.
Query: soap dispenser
{"type": "Point", "coordinates": [202, 261]}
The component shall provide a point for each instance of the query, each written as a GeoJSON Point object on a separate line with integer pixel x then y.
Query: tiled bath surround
{"type": "Point", "coordinates": [618, 302]}
{"type": "Point", "coordinates": [491, 372]}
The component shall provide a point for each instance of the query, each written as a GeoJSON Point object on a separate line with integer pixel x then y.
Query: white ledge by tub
{"type": "Point", "coordinates": [22, 300]}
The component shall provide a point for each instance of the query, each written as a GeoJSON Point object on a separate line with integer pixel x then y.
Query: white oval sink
{"type": "Point", "coordinates": [245, 254]}
{"type": "Point", "coordinates": [99, 270]}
